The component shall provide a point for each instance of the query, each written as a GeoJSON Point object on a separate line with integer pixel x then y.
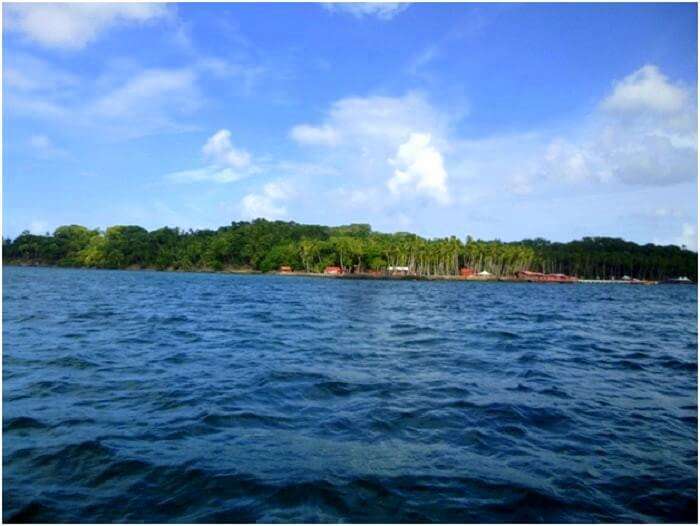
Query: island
{"type": "Point", "coordinates": [355, 250]}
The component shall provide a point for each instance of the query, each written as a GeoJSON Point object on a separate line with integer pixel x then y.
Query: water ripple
{"type": "Point", "coordinates": [156, 397]}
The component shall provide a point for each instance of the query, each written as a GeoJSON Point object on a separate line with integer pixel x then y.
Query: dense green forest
{"type": "Point", "coordinates": [266, 245]}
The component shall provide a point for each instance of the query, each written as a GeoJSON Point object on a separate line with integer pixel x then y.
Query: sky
{"type": "Point", "coordinates": [499, 121]}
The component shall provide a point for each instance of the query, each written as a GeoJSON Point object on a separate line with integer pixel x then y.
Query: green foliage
{"type": "Point", "coordinates": [267, 245]}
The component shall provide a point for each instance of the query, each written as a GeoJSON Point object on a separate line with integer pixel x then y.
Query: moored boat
{"type": "Point", "coordinates": [683, 280]}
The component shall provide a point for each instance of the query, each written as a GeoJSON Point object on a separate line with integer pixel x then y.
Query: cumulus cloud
{"type": "Point", "coordinates": [648, 130]}
{"type": "Point", "coordinates": [419, 169]}
{"type": "Point", "coordinates": [380, 10]}
{"type": "Point", "coordinates": [644, 133]}
{"type": "Point", "coordinates": [268, 203]}
{"type": "Point", "coordinates": [374, 118]}
{"type": "Point", "coordinates": [564, 161]}
{"type": "Point", "coordinates": [73, 26]}
{"type": "Point", "coordinates": [406, 149]}
{"type": "Point", "coordinates": [228, 163]}
{"type": "Point", "coordinates": [646, 90]}
{"type": "Point", "coordinates": [365, 137]}
{"type": "Point", "coordinates": [219, 150]}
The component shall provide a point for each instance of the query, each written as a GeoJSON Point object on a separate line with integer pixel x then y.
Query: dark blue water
{"type": "Point", "coordinates": [144, 396]}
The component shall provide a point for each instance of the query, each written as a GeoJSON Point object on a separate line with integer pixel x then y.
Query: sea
{"type": "Point", "coordinates": [139, 396]}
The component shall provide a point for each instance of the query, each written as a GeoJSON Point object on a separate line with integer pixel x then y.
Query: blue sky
{"type": "Point", "coordinates": [499, 121]}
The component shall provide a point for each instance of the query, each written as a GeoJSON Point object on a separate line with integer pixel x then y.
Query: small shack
{"type": "Point", "coordinates": [466, 272]}
{"type": "Point", "coordinates": [285, 269]}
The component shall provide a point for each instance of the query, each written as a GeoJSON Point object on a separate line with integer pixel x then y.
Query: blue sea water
{"type": "Point", "coordinates": [171, 397]}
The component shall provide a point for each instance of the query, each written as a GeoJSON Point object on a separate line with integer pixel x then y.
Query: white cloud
{"type": "Point", "coordinates": [247, 73]}
{"type": "Point", "coordinates": [219, 150]}
{"type": "Point", "coordinates": [383, 119]}
{"type": "Point", "coordinates": [687, 238]}
{"type": "Point", "coordinates": [208, 174]}
{"type": "Point", "coordinates": [646, 90]}
{"type": "Point", "coordinates": [228, 164]}
{"type": "Point", "coordinates": [27, 73]}
{"type": "Point", "coordinates": [567, 162]}
{"type": "Point", "coordinates": [43, 146]}
{"type": "Point", "coordinates": [610, 148]}
{"type": "Point", "coordinates": [381, 10]}
{"type": "Point", "coordinates": [419, 170]}
{"type": "Point", "coordinates": [314, 135]}
{"type": "Point", "coordinates": [399, 139]}
{"type": "Point", "coordinates": [644, 133]}
{"type": "Point", "coordinates": [133, 103]}
{"type": "Point", "coordinates": [520, 184]}
{"type": "Point", "coordinates": [422, 59]}
{"type": "Point", "coordinates": [73, 26]}
{"type": "Point", "coordinates": [269, 203]}
{"type": "Point", "coordinates": [647, 132]}
{"type": "Point", "coordinates": [122, 101]}
{"type": "Point", "coordinates": [150, 96]}
{"type": "Point", "coordinates": [663, 212]}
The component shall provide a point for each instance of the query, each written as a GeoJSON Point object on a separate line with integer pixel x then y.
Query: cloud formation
{"type": "Point", "coordinates": [643, 133]}
{"type": "Point", "coordinates": [419, 169]}
{"type": "Point", "coordinates": [220, 151]}
{"type": "Point", "coordinates": [398, 139]}
{"type": "Point", "coordinates": [646, 90]}
{"type": "Point", "coordinates": [150, 94]}
{"type": "Point", "coordinates": [269, 203]}
{"type": "Point", "coordinates": [212, 174]}
{"type": "Point", "coordinates": [73, 26]}
{"type": "Point", "coordinates": [124, 102]}
{"type": "Point", "coordinates": [380, 10]}
{"type": "Point", "coordinates": [228, 163]}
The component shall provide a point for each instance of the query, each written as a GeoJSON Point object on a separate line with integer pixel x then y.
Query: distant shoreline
{"type": "Point", "coordinates": [353, 276]}
{"type": "Point", "coordinates": [312, 250]}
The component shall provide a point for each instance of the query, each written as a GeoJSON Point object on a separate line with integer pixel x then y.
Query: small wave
{"type": "Point", "coordinates": [513, 431]}
{"type": "Point", "coordinates": [555, 392]}
{"type": "Point", "coordinates": [423, 342]}
{"type": "Point", "coordinates": [22, 422]}
{"type": "Point", "coordinates": [337, 388]}
{"type": "Point", "coordinates": [244, 418]}
{"type": "Point", "coordinates": [535, 374]}
{"type": "Point", "coordinates": [679, 365]}
{"type": "Point", "coordinates": [72, 362]}
{"type": "Point", "coordinates": [174, 319]}
{"type": "Point", "coordinates": [522, 388]}
{"type": "Point", "coordinates": [120, 470]}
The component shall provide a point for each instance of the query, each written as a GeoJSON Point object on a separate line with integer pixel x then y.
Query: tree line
{"type": "Point", "coordinates": [263, 245]}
